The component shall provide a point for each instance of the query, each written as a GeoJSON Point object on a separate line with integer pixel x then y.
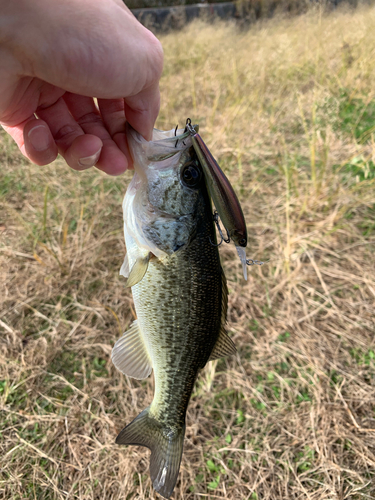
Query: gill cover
{"type": "Point", "coordinates": [143, 221]}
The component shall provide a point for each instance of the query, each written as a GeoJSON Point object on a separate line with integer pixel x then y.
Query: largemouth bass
{"type": "Point", "coordinates": [179, 289]}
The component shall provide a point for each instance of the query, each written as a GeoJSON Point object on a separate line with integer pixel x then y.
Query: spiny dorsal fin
{"type": "Point", "coordinates": [224, 299]}
{"type": "Point", "coordinates": [138, 270]}
{"type": "Point", "coordinates": [130, 356]}
{"type": "Point", "coordinates": [165, 444]}
{"type": "Point", "coordinates": [224, 346]}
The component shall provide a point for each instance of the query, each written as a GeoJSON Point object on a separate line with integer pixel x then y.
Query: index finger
{"type": "Point", "coordinates": [142, 109]}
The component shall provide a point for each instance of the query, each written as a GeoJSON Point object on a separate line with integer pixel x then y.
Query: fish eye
{"type": "Point", "coordinates": [242, 242]}
{"type": "Point", "coordinates": [191, 175]}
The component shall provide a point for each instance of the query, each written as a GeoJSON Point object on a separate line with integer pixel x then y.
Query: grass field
{"type": "Point", "coordinates": [288, 108]}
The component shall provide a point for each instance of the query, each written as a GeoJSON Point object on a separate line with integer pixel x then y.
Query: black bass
{"type": "Point", "coordinates": [179, 290]}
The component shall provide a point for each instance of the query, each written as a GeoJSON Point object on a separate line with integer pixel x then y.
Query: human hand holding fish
{"type": "Point", "coordinates": [56, 57]}
{"type": "Point", "coordinates": [179, 288]}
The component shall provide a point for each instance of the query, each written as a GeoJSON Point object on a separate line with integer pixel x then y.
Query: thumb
{"type": "Point", "coordinates": [141, 110]}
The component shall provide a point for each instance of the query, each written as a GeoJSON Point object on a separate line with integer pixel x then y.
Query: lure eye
{"type": "Point", "coordinates": [191, 175]}
{"type": "Point", "coordinates": [240, 238]}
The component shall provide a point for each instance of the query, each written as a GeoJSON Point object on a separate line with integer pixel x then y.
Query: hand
{"type": "Point", "coordinates": [55, 57]}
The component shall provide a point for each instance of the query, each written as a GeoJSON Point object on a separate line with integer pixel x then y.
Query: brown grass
{"type": "Point", "coordinates": [286, 107]}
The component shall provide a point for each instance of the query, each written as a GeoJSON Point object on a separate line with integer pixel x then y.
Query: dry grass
{"type": "Point", "coordinates": [289, 110]}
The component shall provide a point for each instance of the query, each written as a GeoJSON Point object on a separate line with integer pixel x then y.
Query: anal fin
{"type": "Point", "coordinates": [138, 270]}
{"type": "Point", "coordinates": [130, 356]}
{"type": "Point", "coordinates": [224, 346]}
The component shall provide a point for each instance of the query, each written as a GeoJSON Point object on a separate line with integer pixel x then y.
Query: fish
{"type": "Point", "coordinates": [179, 289]}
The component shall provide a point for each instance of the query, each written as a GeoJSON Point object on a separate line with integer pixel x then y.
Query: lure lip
{"type": "Point", "coordinates": [220, 189]}
{"type": "Point", "coordinates": [242, 255]}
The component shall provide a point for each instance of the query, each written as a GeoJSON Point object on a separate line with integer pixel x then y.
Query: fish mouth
{"type": "Point", "coordinates": [162, 151]}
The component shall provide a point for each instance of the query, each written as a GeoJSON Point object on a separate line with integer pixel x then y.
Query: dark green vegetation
{"type": "Point", "coordinates": [287, 110]}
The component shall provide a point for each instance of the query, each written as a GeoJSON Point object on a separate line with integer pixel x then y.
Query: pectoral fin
{"type": "Point", "coordinates": [129, 354]}
{"type": "Point", "coordinates": [223, 347]}
{"type": "Point", "coordinates": [124, 271]}
{"type": "Point", "coordinates": [138, 270]}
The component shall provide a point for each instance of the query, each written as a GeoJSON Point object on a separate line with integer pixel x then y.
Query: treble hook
{"type": "Point", "coordinates": [216, 220]}
{"type": "Point", "coordinates": [249, 262]}
{"type": "Point", "coordinates": [175, 133]}
{"type": "Point", "coordinates": [252, 262]}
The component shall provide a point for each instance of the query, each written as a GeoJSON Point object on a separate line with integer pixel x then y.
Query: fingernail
{"type": "Point", "coordinates": [89, 161]}
{"type": "Point", "coordinates": [39, 138]}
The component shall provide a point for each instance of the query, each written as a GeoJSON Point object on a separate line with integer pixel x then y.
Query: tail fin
{"type": "Point", "coordinates": [166, 449]}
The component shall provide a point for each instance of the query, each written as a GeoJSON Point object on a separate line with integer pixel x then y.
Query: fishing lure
{"type": "Point", "coordinates": [224, 198]}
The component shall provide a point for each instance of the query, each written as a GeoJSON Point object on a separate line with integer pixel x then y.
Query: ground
{"type": "Point", "coordinates": [288, 109]}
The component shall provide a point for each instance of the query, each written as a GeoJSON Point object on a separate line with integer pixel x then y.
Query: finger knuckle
{"type": "Point", "coordinates": [65, 132]}
{"type": "Point", "coordinates": [89, 119]}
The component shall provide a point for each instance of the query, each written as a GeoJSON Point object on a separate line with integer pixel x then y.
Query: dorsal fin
{"type": "Point", "coordinates": [224, 346]}
{"type": "Point", "coordinates": [129, 354]}
{"type": "Point", "coordinates": [224, 299]}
